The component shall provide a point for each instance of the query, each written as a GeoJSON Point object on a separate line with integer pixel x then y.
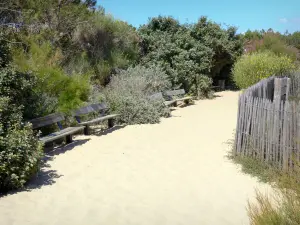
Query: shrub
{"type": "Point", "coordinates": [272, 42]}
{"type": "Point", "coordinates": [202, 86]}
{"type": "Point", "coordinates": [128, 94]}
{"type": "Point", "coordinates": [42, 60]}
{"type": "Point", "coordinates": [21, 87]}
{"type": "Point", "coordinates": [108, 43]}
{"type": "Point", "coordinates": [251, 68]}
{"type": "Point", "coordinates": [20, 151]}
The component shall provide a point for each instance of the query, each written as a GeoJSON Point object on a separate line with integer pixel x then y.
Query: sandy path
{"type": "Point", "coordinates": [170, 173]}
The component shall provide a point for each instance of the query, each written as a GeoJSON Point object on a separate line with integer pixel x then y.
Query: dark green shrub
{"type": "Point", "coordinates": [128, 94]}
{"type": "Point", "coordinates": [21, 87]}
{"type": "Point", "coordinates": [20, 151]}
{"type": "Point", "coordinates": [202, 86]}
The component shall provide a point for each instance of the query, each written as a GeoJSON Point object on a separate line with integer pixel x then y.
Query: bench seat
{"type": "Point", "coordinates": [61, 134]}
{"type": "Point", "coordinates": [99, 119]}
{"type": "Point", "coordinates": [178, 95]}
{"type": "Point", "coordinates": [52, 119]}
{"type": "Point", "coordinates": [170, 103]}
{"type": "Point", "coordinates": [185, 98]}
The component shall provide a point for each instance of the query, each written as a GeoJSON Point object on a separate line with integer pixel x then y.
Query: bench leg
{"type": "Point", "coordinates": [86, 130]}
{"type": "Point", "coordinates": [111, 123]}
{"type": "Point", "coordinates": [69, 139]}
{"type": "Point", "coordinates": [186, 102]}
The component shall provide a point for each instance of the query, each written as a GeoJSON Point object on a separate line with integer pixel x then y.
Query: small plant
{"type": "Point", "coordinates": [283, 205]}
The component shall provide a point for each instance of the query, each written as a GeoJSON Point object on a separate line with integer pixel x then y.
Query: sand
{"type": "Point", "coordinates": [175, 172]}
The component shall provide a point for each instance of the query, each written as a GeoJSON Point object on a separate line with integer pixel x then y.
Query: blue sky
{"type": "Point", "coordinates": [252, 14]}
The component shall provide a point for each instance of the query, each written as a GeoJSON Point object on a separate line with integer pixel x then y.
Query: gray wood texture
{"type": "Point", "coordinates": [47, 120]}
{"type": "Point", "coordinates": [61, 134]}
{"type": "Point", "coordinates": [268, 124]}
{"type": "Point", "coordinates": [101, 108]}
{"type": "Point", "coordinates": [159, 97]}
{"type": "Point", "coordinates": [99, 119]}
{"type": "Point", "coordinates": [177, 95]}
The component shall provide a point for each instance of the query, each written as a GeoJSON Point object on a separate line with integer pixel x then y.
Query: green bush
{"type": "Point", "coordinates": [202, 86]}
{"type": "Point", "coordinates": [108, 44]}
{"type": "Point", "coordinates": [21, 87]}
{"type": "Point", "coordinates": [20, 151]}
{"type": "Point", "coordinates": [251, 68]}
{"type": "Point", "coordinates": [43, 61]}
{"type": "Point", "coordinates": [128, 94]}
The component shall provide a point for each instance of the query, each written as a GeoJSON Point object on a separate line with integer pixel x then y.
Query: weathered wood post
{"type": "Point", "coordinates": [281, 94]}
{"type": "Point", "coordinates": [221, 84]}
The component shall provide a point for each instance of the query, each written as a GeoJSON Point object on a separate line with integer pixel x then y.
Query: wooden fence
{"type": "Point", "coordinates": [268, 124]}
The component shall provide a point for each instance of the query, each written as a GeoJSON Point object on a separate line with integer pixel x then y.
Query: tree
{"type": "Point", "coordinates": [226, 45]}
{"type": "Point", "coordinates": [168, 44]}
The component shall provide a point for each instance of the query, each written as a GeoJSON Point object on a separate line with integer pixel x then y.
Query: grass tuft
{"type": "Point", "coordinates": [282, 207]}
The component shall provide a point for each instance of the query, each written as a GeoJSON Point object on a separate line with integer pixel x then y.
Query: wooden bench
{"type": "Point", "coordinates": [100, 109]}
{"type": "Point", "coordinates": [62, 133]}
{"type": "Point", "coordinates": [159, 96]}
{"type": "Point", "coordinates": [179, 94]}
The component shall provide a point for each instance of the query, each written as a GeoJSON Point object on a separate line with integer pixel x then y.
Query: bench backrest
{"type": "Point", "coordinates": [156, 96]}
{"type": "Point", "coordinates": [47, 120]}
{"type": "Point", "coordinates": [83, 110]}
{"type": "Point", "coordinates": [175, 92]}
{"type": "Point", "coordinates": [99, 107]}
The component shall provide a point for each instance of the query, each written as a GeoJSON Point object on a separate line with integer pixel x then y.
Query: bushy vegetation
{"type": "Point", "coordinates": [190, 52]}
{"type": "Point", "coordinates": [282, 206]}
{"type": "Point", "coordinates": [108, 44]}
{"type": "Point", "coordinates": [251, 68]}
{"type": "Point", "coordinates": [128, 94]}
{"type": "Point", "coordinates": [20, 151]}
{"type": "Point", "coordinates": [273, 42]}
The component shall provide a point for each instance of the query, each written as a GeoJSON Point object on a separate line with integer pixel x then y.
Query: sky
{"type": "Point", "coordinates": [280, 15]}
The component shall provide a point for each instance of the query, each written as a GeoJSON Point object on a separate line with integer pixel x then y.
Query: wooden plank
{"type": "Point", "coordinates": [175, 92]}
{"type": "Point", "coordinates": [99, 119]}
{"type": "Point", "coordinates": [244, 136]}
{"type": "Point", "coordinates": [98, 107]}
{"type": "Point", "coordinates": [83, 110]}
{"type": "Point", "coordinates": [47, 120]}
{"type": "Point", "coordinates": [238, 126]}
{"type": "Point", "coordinates": [156, 96]}
{"type": "Point", "coordinates": [61, 134]}
{"type": "Point", "coordinates": [268, 132]}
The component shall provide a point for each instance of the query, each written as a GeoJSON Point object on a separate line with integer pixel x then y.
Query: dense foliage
{"type": "Point", "coordinates": [108, 44]}
{"type": "Point", "coordinates": [20, 151]}
{"type": "Point", "coordinates": [271, 42]}
{"type": "Point", "coordinates": [128, 94]}
{"type": "Point", "coordinates": [189, 52]}
{"type": "Point", "coordinates": [251, 68]}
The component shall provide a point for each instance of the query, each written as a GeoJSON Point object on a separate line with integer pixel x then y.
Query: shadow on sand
{"type": "Point", "coordinates": [100, 132]}
{"type": "Point", "coordinates": [46, 176]}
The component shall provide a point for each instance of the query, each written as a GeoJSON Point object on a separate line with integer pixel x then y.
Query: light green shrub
{"type": "Point", "coordinates": [128, 94]}
{"type": "Point", "coordinates": [42, 60]}
{"type": "Point", "coordinates": [251, 68]}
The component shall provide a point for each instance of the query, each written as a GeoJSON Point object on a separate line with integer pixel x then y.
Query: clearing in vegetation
{"type": "Point", "coordinates": [175, 172]}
